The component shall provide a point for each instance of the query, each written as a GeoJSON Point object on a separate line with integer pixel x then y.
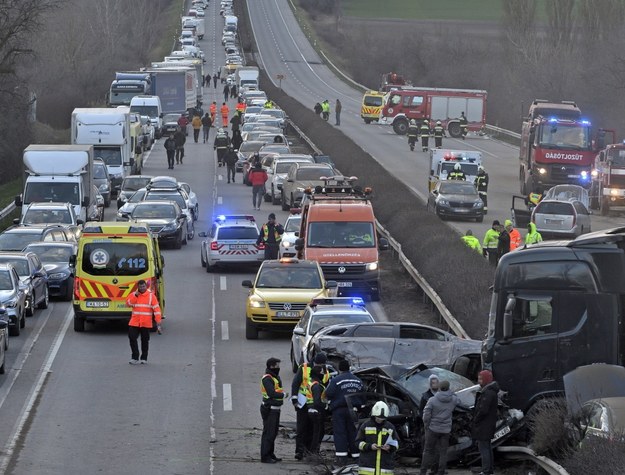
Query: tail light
{"type": "Point", "coordinates": [77, 288]}
{"type": "Point", "coordinates": [214, 246]}
{"type": "Point", "coordinates": [574, 219]}
{"type": "Point", "coordinates": [260, 246]}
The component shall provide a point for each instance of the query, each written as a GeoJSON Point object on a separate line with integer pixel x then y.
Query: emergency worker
{"type": "Point", "coordinates": [425, 132]}
{"type": "Point", "coordinates": [240, 107]}
{"type": "Point", "coordinates": [220, 145]}
{"type": "Point", "coordinates": [145, 311]}
{"type": "Point", "coordinates": [481, 185]}
{"type": "Point", "coordinates": [439, 133]}
{"type": "Point", "coordinates": [300, 394]}
{"type": "Point", "coordinates": [515, 235]}
{"type": "Point", "coordinates": [377, 441]}
{"type": "Point", "coordinates": [464, 125]}
{"type": "Point", "coordinates": [273, 398]}
{"type": "Point", "coordinates": [413, 132]}
{"type": "Point", "coordinates": [532, 200]}
{"type": "Point", "coordinates": [316, 409]}
{"type": "Point", "coordinates": [489, 243]}
{"type": "Point", "coordinates": [225, 111]}
{"type": "Point", "coordinates": [213, 109]}
{"type": "Point", "coordinates": [269, 104]}
{"type": "Point", "coordinates": [457, 173]}
{"type": "Point", "coordinates": [532, 236]}
{"type": "Point", "coordinates": [270, 235]}
{"type": "Point", "coordinates": [325, 110]}
{"type": "Point", "coordinates": [471, 241]}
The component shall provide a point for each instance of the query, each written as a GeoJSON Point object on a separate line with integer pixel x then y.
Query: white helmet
{"type": "Point", "coordinates": [480, 168]}
{"type": "Point", "coordinates": [413, 122]}
{"type": "Point", "coordinates": [220, 131]}
{"type": "Point", "coordinates": [380, 409]}
{"type": "Point", "coordinates": [457, 167]}
{"type": "Point", "coordinates": [438, 122]}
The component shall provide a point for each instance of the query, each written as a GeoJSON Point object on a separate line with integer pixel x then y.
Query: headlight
{"type": "Point", "coordinates": [286, 243]}
{"type": "Point", "coordinates": [542, 171]}
{"type": "Point", "coordinates": [372, 266]}
{"type": "Point", "coordinates": [58, 276]}
{"type": "Point", "coordinates": [256, 302]}
{"type": "Point", "coordinates": [614, 191]}
{"type": "Point", "coordinates": [103, 187]}
{"type": "Point", "coordinates": [117, 175]}
{"type": "Point", "coordinates": [11, 303]}
{"type": "Point", "coordinates": [478, 204]}
{"type": "Point", "coordinates": [170, 227]}
{"type": "Point", "coordinates": [443, 202]}
{"type": "Point", "coordinates": [594, 173]}
{"type": "Point", "coordinates": [301, 189]}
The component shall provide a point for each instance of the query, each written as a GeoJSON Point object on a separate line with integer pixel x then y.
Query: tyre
{"type": "Point", "coordinates": [209, 268]}
{"type": "Point", "coordinates": [454, 130]}
{"type": "Point", "coordinates": [400, 126]}
{"type": "Point", "coordinates": [23, 321]}
{"type": "Point", "coordinates": [79, 324]}
{"type": "Point", "coordinates": [2, 368]}
{"type": "Point", "coordinates": [15, 329]}
{"type": "Point", "coordinates": [196, 212]}
{"type": "Point", "coordinates": [251, 332]}
{"type": "Point", "coordinates": [480, 219]}
{"type": "Point", "coordinates": [367, 121]}
{"type": "Point", "coordinates": [69, 293]}
{"type": "Point", "coordinates": [46, 298]}
{"type": "Point", "coordinates": [294, 365]}
{"type": "Point", "coordinates": [202, 261]}
{"type": "Point", "coordinates": [461, 366]}
{"type": "Point", "coordinates": [185, 238]}
{"type": "Point", "coordinates": [283, 202]}
{"type": "Point", "coordinates": [274, 200]}
{"type": "Point", "coordinates": [191, 235]}
{"type": "Point", "coordinates": [267, 198]}
{"type": "Point", "coordinates": [178, 242]}
{"type": "Point", "coordinates": [30, 309]}
{"type": "Point", "coordinates": [107, 203]}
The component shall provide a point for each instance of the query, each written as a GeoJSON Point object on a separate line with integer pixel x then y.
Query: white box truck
{"type": "Point", "coordinates": [246, 78]}
{"type": "Point", "coordinates": [108, 130]}
{"type": "Point", "coordinates": [59, 173]}
{"type": "Point", "coordinates": [194, 22]}
{"type": "Point", "coordinates": [149, 106]}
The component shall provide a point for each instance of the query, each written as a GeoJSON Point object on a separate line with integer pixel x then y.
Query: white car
{"type": "Point", "coordinates": [322, 313]}
{"type": "Point", "coordinates": [291, 232]}
{"type": "Point", "coordinates": [279, 169]}
{"type": "Point", "coordinates": [192, 200]}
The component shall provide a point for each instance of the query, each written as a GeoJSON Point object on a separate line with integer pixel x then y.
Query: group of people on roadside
{"type": "Point", "coordinates": [323, 109]}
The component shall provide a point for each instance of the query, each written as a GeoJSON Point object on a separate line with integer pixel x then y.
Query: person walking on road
{"type": "Point", "coordinates": [337, 112]}
{"type": "Point", "coordinates": [490, 243]}
{"type": "Point", "coordinates": [270, 235]}
{"type": "Point", "coordinates": [196, 123]}
{"type": "Point", "coordinates": [145, 311]}
{"type": "Point", "coordinates": [226, 92]}
{"type": "Point", "coordinates": [413, 132]}
{"type": "Point", "coordinates": [273, 398]}
{"type": "Point", "coordinates": [485, 418]}
{"type": "Point", "coordinates": [237, 139]}
{"type": "Point", "coordinates": [481, 185]}
{"type": "Point", "coordinates": [257, 176]}
{"type": "Point", "coordinates": [220, 145]}
{"type": "Point", "coordinates": [180, 138]}
{"type": "Point", "coordinates": [207, 80]}
{"type": "Point", "coordinates": [503, 242]}
{"type": "Point", "coordinates": [515, 235]}
{"type": "Point", "coordinates": [233, 91]}
{"type": "Point", "coordinates": [213, 111]}
{"type": "Point", "coordinates": [235, 122]}
{"type": "Point", "coordinates": [215, 77]}
{"type": "Point", "coordinates": [464, 125]}
{"type": "Point", "coordinates": [318, 109]}
{"type": "Point", "coordinates": [471, 241]}
{"type": "Point", "coordinates": [377, 440]}
{"type": "Point", "coordinates": [230, 159]}
{"type": "Point", "coordinates": [207, 123]}
{"type": "Point", "coordinates": [437, 421]}
{"type": "Point", "coordinates": [532, 236]}
{"type": "Point", "coordinates": [183, 122]}
{"type": "Point", "coordinates": [170, 148]}
{"type": "Point", "coordinates": [439, 133]}
{"type": "Point", "coordinates": [425, 132]}
{"type": "Point", "coordinates": [225, 112]}
{"type": "Point", "coordinates": [342, 424]}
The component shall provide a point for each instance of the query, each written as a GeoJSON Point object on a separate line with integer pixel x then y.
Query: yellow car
{"type": "Point", "coordinates": [280, 293]}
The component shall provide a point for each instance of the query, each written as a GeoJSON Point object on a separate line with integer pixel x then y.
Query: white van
{"type": "Point", "coordinates": [149, 106]}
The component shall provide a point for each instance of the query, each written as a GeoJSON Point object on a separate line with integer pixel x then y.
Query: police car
{"type": "Point", "coordinates": [321, 313]}
{"type": "Point", "coordinates": [231, 240]}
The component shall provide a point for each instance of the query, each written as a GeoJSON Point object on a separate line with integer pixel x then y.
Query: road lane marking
{"type": "Point", "coordinates": [16, 435]}
{"type": "Point", "coordinates": [225, 333]}
{"type": "Point", "coordinates": [227, 397]}
{"type": "Point", "coordinates": [222, 283]}
{"type": "Point", "coordinates": [220, 177]}
{"type": "Point", "coordinates": [220, 200]}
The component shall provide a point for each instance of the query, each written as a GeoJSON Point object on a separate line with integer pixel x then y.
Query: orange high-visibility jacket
{"type": "Point", "coordinates": [144, 306]}
{"type": "Point", "coordinates": [225, 110]}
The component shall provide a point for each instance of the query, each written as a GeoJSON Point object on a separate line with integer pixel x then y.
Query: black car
{"type": "Point", "coordinates": [170, 124]}
{"type": "Point", "coordinates": [55, 257]}
{"type": "Point", "coordinates": [131, 184]}
{"type": "Point", "coordinates": [18, 237]}
{"type": "Point", "coordinates": [456, 199]}
{"type": "Point", "coordinates": [33, 275]}
{"type": "Point", "coordinates": [165, 219]}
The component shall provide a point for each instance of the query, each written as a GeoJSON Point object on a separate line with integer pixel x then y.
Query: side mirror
{"type": "Point", "coordinates": [299, 244]}
{"type": "Point", "coordinates": [16, 220]}
{"type": "Point", "coordinates": [182, 216]}
{"type": "Point", "coordinates": [85, 202]}
{"type": "Point", "coordinates": [18, 200]}
{"type": "Point", "coordinates": [72, 260]}
{"type": "Point", "coordinates": [202, 234]}
{"type": "Point", "coordinates": [296, 233]}
{"type": "Point", "coordinates": [383, 244]}
{"type": "Point", "coordinates": [331, 284]}
{"type": "Point", "coordinates": [507, 317]}
{"type": "Point", "coordinates": [435, 192]}
{"type": "Point", "coordinates": [80, 221]}
{"type": "Point", "coordinates": [247, 283]}
{"type": "Point", "coordinates": [299, 331]}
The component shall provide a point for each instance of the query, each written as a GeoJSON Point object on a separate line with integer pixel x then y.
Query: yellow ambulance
{"type": "Point", "coordinates": [112, 257]}
{"type": "Point", "coordinates": [371, 108]}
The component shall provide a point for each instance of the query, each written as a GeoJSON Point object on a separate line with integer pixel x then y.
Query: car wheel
{"type": "Point", "coordinates": [202, 261]}
{"type": "Point", "coordinates": [191, 234]}
{"type": "Point", "coordinates": [251, 332]}
{"type": "Point", "coordinates": [294, 365]}
{"type": "Point", "coordinates": [267, 198]}
{"type": "Point", "coordinates": [283, 202]}
{"type": "Point", "coordinates": [209, 268]}
{"type": "Point", "coordinates": [15, 329]}
{"type": "Point", "coordinates": [185, 238]}
{"type": "Point", "coordinates": [6, 340]}
{"type": "Point", "coordinates": [79, 324]}
{"type": "Point", "coordinates": [107, 203]}
{"type": "Point", "coordinates": [22, 321]}
{"type": "Point", "coordinates": [274, 200]}
{"type": "Point", "coordinates": [196, 212]}
{"type": "Point", "coordinates": [30, 310]}
{"type": "Point", "coordinates": [480, 219]}
{"type": "Point", "coordinates": [178, 242]}
{"type": "Point", "coordinates": [2, 368]}
{"type": "Point", "coordinates": [46, 298]}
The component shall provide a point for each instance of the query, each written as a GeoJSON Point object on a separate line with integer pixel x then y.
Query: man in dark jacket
{"type": "Point", "coordinates": [207, 123]}
{"type": "Point", "coordinates": [270, 235]}
{"type": "Point", "coordinates": [342, 423]}
{"type": "Point", "coordinates": [273, 397]}
{"type": "Point", "coordinates": [437, 420]}
{"type": "Point", "coordinates": [170, 148]}
{"type": "Point", "coordinates": [485, 418]}
{"type": "Point", "coordinates": [180, 138]}
{"type": "Point", "coordinates": [425, 397]}
{"type": "Point", "coordinates": [235, 121]}
{"type": "Point", "coordinates": [503, 242]}
{"type": "Point", "coordinates": [316, 409]}
{"type": "Point", "coordinates": [231, 160]}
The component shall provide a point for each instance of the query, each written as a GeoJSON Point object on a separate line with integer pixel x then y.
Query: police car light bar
{"type": "Point", "coordinates": [234, 217]}
{"type": "Point", "coordinates": [357, 301]}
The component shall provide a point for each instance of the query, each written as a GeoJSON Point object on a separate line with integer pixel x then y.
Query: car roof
{"type": "Point", "coordinates": [32, 228]}
{"type": "Point", "coordinates": [52, 243]}
{"type": "Point", "coordinates": [15, 254]}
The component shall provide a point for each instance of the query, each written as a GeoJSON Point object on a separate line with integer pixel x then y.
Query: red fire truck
{"type": "Point", "coordinates": [557, 147]}
{"type": "Point", "coordinates": [435, 104]}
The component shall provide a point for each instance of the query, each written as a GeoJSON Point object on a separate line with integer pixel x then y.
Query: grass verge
{"type": "Point", "coordinates": [8, 192]}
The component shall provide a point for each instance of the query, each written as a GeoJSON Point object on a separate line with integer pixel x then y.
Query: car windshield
{"type": "Point", "coordinates": [115, 258]}
{"type": "Point", "coordinates": [283, 167]}
{"type": "Point", "coordinates": [322, 321]}
{"type": "Point", "coordinates": [564, 136]}
{"type": "Point", "coordinates": [111, 156]}
{"type": "Point", "coordinates": [153, 211]}
{"type": "Point", "coordinates": [373, 101]}
{"type": "Point", "coordinates": [555, 207]}
{"type": "Point", "coordinates": [177, 197]}
{"type": "Point", "coordinates": [138, 196]}
{"type": "Point", "coordinates": [150, 111]}
{"type": "Point", "coordinates": [313, 173]}
{"type": "Point", "coordinates": [52, 191]}
{"type": "Point", "coordinates": [418, 383]}
{"type": "Point", "coordinates": [292, 225]}
{"type": "Point", "coordinates": [47, 216]}
{"type": "Point", "coordinates": [6, 283]}
{"type": "Point", "coordinates": [467, 168]}
{"type": "Point", "coordinates": [275, 149]}
{"type": "Point", "coordinates": [457, 188]}
{"type": "Point", "coordinates": [17, 241]}
{"type": "Point", "coordinates": [289, 277]}
{"type": "Point", "coordinates": [99, 171]}
{"type": "Point", "coordinates": [51, 253]}
{"type": "Point", "coordinates": [341, 234]}
{"type": "Point", "coordinates": [169, 118]}
{"type": "Point", "coordinates": [19, 264]}
{"type": "Point", "coordinates": [134, 184]}
{"type": "Point", "coordinates": [616, 157]}
{"type": "Point", "coordinates": [241, 232]}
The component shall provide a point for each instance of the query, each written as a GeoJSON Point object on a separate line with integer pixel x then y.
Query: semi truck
{"type": "Point", "coordinates": [557, 146]}
{"type": "Point", "coordinates": [195, 23]}
{"type": "Point", "coordinates": [108, 130]}
{"type": "Point", "coordinates": [59, 173]}
{"type": "Point", "coordinates": [126, 85]}
{"type": "Point", "coordinates": [607, 189]}
{"type": "Point", "coordinates": [434, 104]}
{"type": "Point", "coordinates": [176, 88]}
{"type": "Point", "coordinates": [555, 306]}
{"type": "Point", "coordinates": [178, 62]}
{"type": "Point", "coordinates": [246, 77]}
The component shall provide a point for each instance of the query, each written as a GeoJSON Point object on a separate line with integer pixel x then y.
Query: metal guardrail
{"type": "Point", "coordinates": [525, 453]}
{"type": "Point", "coordinates": [7, 211]}
{"type": "Point", "coordinates": [499, 130]}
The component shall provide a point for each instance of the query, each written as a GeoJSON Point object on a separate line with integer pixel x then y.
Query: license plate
{"type": "Point", "coordinates": [573, 176]}
{"type": "Point", "coordinates": [287, 314]}
{"type": "Point", "coordinates": [97, 303]}
{"type": "Point", "coordinates": [344, 284]}
{"type": "Point", "coordinates": [461, 210]}
{"type": "Point", "coordinates": [237, 246]}
{"type": "Point", "coordinates": [553, 221]}
{"type": "Point", "coordinates": [500, 433]}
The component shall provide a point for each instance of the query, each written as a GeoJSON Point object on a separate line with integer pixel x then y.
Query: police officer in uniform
{"type": "Point", "coordinates": [271, 235]}
{"type": "Point", "coordinates": [273, 397]}
{"type": "Point", "coordinates": [457, 173]}
{"type": "Point", "coordinates": [413, 132]}
{"type": "Point", "coordinates": [481, 184]}
{"type": "Point", "coordinates": [464, 125]}
{"type": "Point", "coordinates": [424, 131]}
{"type": "Point", "coordinates": [439, 133]}
{"type": "Point", "coordinates": [220, 145]}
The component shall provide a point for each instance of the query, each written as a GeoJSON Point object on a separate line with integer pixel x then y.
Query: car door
{"type": "Point", "coordinates": [39, 278]}
{"type": "Point", "coordinates": [583, 217]}
{"type": "Point", "coordinates": [299, 340]}
{"type": "Point", "coordinates": [416, 345]}
{"type": "Point", "coordinates": [520, 213]}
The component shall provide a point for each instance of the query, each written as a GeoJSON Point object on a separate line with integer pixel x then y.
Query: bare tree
{"type": "Point", "coordinates": [560, 21]}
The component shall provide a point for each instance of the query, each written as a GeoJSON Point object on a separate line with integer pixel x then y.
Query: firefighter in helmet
{"type": "Point", "coordinates": [481, 185]}
{"type": "Point", "coordinates": [464, 125]}
{"type": "Point", "coordinates": [439, 133]}
{"type": "Point", "coordinates": [457, 173]}
{"type": "Point", "coordinates": [424, 131]}
{"type": "Point", "coordinates": [413, 132]}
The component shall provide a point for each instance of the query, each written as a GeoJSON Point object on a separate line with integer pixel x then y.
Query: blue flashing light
{"type": "Point", "coordinates": [584, 175]}
{"type": "Point", "coordinates": [221, 217]}
{"type": "Point", "coordinates": [586, 122]}
{"type": "Point", "coordinates": [553, 120]}
{"type": "Point", "coordinates": [358, 301]}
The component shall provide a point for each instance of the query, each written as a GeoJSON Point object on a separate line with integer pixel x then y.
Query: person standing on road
{"type": "Point", "coordinates": [213, 111]}
{"type": "Point", "coordinates": [233, 91]}
{"type": "Point", "coordinates": [273, 398]}
{"type": "Point", "coordinates": [471, 241]}
{"type": "Point", "coordinates": [413, 133]}
{"type": "Point", "coordinates": [207, 80]}
{"type": "Point", "coordinates": [215, 77]}
{"type": "Point", "coordinates": [145, 311]}
{"type": "Point", "coordinates": [183, 122]}
{"type": "Point", "coordinates": [235, 121]}
{"type": "Point", "coordinates": [533, 236]}
{"type": "Point", "coordinates": [342, 424]}
{"type": "Point", "coordinates": [257, 176]}
{"type": "Point", "coordinates": [325, 110]}
{"type": "Point", "coordinates": [491, 242]}
{"type": "Point", "coordinates": [225, 112]}
{"type": "Point", "coordinates": [170, 148]}
{"type": "Point", "coordinates": [503, 242]}
{"type": "Point", "coordinates": [337, 112]}
{"type": "Point", "coordinates": [316, 409]}
{"type": "Point", "coordinates": [377, 441]}
{"type": "Point", "coordinates": [437, 421]}
{"type": "Point", "coordinates": [481, 185]}
{"type": "Point", "coordinates": [485, 418]}
{"type": "Point", "coordinates": [439, 133]}
{"type": "Point", "coordinates": [196, 123]}
{"type": "Point", "coordinates": [318, 109]}
{"type": "Point", "coordinates": [226, 92]}
{"type": "Point", "coordinates": [432, 390]}
{"type": "Point", "coordinates": [515, 235]}
{"type": "Point", "coordinates": [300, 393]}
{"type": "Point", "coordinates": [425, 132]}
{"type": "Point", "coordinates": [207, 123]}
{"type": "Point", "coordinates": [271, 235]}
{"type": "Point", "coordinates": [230, 159]}
{"type": "Point", "coordinates": [464, 125]}
{"type": "Point", "coordinates": [180, 138]}
{"type": "Point", "coordinates": [237, 139]}
{"type": "Point", "coordinates": [220, 145]}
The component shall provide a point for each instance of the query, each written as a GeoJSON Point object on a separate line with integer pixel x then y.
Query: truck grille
{"type": "Point", "coordinates": [280, 306]}
{"type": "Point", "coordinates": [617, 180]}
{"type": "Point", "coordinates": [560, 174]}
{"type": "Point", "coordinates": [349, 269]}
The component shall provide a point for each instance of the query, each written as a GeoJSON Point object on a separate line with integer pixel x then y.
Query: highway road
{"type": "Point", "coordinates": [284, 49]}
